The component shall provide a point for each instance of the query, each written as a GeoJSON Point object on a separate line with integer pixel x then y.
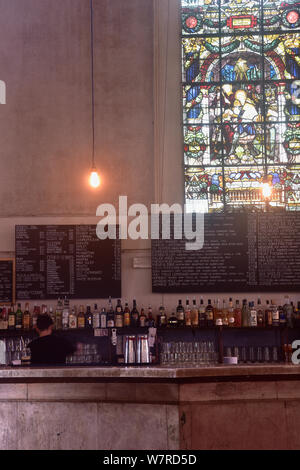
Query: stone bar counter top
{"type": "Point", "coordinates": [172, 373]}
{"type": "Point", "coordinates": [247, 406]}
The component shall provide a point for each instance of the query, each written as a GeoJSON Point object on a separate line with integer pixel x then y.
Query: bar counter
{"type": "Point", "coordinates": [110, 408]}
{"type": "Point", "coordinates": [250, 371]}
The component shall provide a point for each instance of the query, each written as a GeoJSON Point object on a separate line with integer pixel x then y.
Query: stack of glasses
{"type": "Point", "coordinates": [85, 354]}
{"type": "Point", "coordinates": [188, 353]}
{"type": "Point", "coordinates": [17, 349]}
{"type": "Point", "coordinates": [253, 354]}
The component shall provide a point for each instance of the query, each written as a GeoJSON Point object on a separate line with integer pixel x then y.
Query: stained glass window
{"type": "Point", "coordinates": [241, 103]}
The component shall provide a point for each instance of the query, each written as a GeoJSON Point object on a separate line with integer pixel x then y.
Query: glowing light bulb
{"type": "Point", "coordinates": [266, 190]}
{"type": "Point", "coordinates": [94, 179]}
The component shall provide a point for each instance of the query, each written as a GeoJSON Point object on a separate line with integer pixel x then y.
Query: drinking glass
{"type": "Point", "coordinates": [275, 354]}
{"type": "Point", "coordinates": [244, 354]}
{"type": "Point", "coordinates": [251, 354]}
{"type": "Point", "coordinates": [266, 354]}
{"type": "Point", "coordinates": [236, 352]}
{"type": "Point", "coordinates": [259, 355]}
{"type": "Point", "coordinates": [228, 352]}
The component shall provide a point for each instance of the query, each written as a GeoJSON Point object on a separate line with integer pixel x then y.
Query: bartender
{"type": "Point", "coordinates": [48, 349]}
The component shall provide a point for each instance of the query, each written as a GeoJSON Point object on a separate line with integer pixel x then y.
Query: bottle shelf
{"type": "Point", "coordinates": [128, 330]}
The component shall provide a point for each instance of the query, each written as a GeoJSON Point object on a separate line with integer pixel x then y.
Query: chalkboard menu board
{"type": "Point", "coordinates": [241, 253]}
{"type": "Point", "coordinates": [7, 280]}
{"type": "Point", "coordinates": [57, 260]}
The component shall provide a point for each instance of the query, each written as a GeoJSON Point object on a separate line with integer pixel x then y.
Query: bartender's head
{"type": "Point", "coordinates": [44, 325]}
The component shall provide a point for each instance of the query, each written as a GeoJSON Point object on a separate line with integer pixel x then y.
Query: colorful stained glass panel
{"type": "Point", "coordinates": [283, 143]}
{"type": "Point", "coordinates": [201, 104]}
{"type": "Point", "coordinates": [202, 145]}
{"type": "Point", "coordinates": [237, 16]}
{"type": "Point", "coordinates": [243, 186]}
{"type": "Point", "coordinates": [201, 60]}
{"type": "Point", "coordinates": [205, 185]}
{"type": "Point", "coordinates": [282, 16]}
{"type": "Point", "coordinates": [241, 100]}
{"type": "Point", "coordinates": [199, 17]}
{"type": "Point", "coordinates": [243, 144]}
{"type": "Point", "coordinates": [281, 54]}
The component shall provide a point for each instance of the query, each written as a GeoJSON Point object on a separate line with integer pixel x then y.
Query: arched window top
{"type": "Point", "coordinates": [241, 103]}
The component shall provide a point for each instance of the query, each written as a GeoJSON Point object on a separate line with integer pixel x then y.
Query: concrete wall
{"type": "Point", "coordinates": [45, 127]}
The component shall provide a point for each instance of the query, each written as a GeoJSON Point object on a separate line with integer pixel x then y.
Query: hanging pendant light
{"type": "Point", "coordinates": [94, 176]}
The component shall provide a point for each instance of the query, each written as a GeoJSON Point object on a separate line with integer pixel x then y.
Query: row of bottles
{"type": "Point", "coordinates": [232, 315]}
{"type": "Point", "coordinates": [215, 313]}
{"type": "Point", "coordinates": [64, 317]}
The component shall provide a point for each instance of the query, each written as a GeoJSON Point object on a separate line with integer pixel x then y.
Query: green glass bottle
{"type": "Point", "coordinates": [19, 318]}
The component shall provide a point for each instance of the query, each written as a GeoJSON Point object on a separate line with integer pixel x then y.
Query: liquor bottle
{"type": "Point", "coordinates": [162, 320]}
{"type": "Point", "coordinates": [52, 316]}
{"type": "Point", "coordinates": [65, 317]}
{"type": "Point", "coordinates": [218, 314]}
{"type": "Point", "coordinates": [59, 304]}
{"type": "Point", "coordinates": [244, 313]}
{"type": "Point", "coordinates": [73, 319]}
{"type": "Point", "coordinates": [88, 317]}
{"type": "Point", "coordinates": [103, 318]}
{"type": "Point", "coordinates": [238, 314]}
{"type": "Point", "coordinates": [26, 318]}
{"type": "Point", "coordinates": [195, 315]}
{"type": "Point", "coordinates": [289, 312]}
{"type": "Point", "coordinates": [150, 319]}
{"type": "Point", "coordinates": [275, 313]}
{"type": "Point", "coordinates": [143, 318]}
{"type": "Point", "coordinates": [119, 318]}
{"type": "Point", "coordinates": [110, 317]}
{"type": "Point", "coordinates": [35, 313]}
{"type": "Point", "coordinates": [225, 313]}
{"type": "Point", "coordinates": [19, 317]}
{"type": "Point", "coordinates": [126, 315]}
{"type": "Point", "coordinates": [58, 318]}
{"type": "Point", "coordinates": [293, 314]}
{"type": "Point", "coordinates": [4, 319]}
{"type": "Point", "coordinates": [187, 314]}
{"type": "Point", "coordinates": [1, 319]}
{"type": "Point", "coordinates": [297, 315]}
{"type": "Point", "coordinates": [81, 318]}
{"type": "Point", "coordinates": [180, 313]}
{"type": "Point", "coordinates": [66, 302]}
{"type": "Point", "coordinates": [173, 321]}
{"type": "Point", "coordinates": [231, 313]}
{"type": "Point", "coordinates": [202, 314]}
{"type": "Point", "coordinates": [268, 314]}
{"type": "Point", "coordinates": [134, 315]}
{"type": "Point", "coordinates": [260, 315]}
{"type": "Point", "coordinates": [96, 317]}
{"type": "Point", "coordinates": [209, 311]}
{"type": "Point", "coordinates": [58, 314]}
{"type": "Point", "coordinates": [11, 318]}
{"type": "Point", "coordinates": [282, 316]}
{"type": "Point", "coordinates": [252, 315]}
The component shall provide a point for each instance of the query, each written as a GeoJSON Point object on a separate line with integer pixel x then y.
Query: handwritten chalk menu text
{"type": "Point", "coordinates": [57, 260]}
{"type": "Point", "coordinates": [241, 253]}
{"type": "Point", "coordinates": [7, 281]}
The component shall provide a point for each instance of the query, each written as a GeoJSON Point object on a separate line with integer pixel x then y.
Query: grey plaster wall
{"type": "Point", "coordinates": [45, 127]}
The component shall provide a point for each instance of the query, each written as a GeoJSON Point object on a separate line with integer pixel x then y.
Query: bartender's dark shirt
{"type": "Point", "coordinates": [50, 350]}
